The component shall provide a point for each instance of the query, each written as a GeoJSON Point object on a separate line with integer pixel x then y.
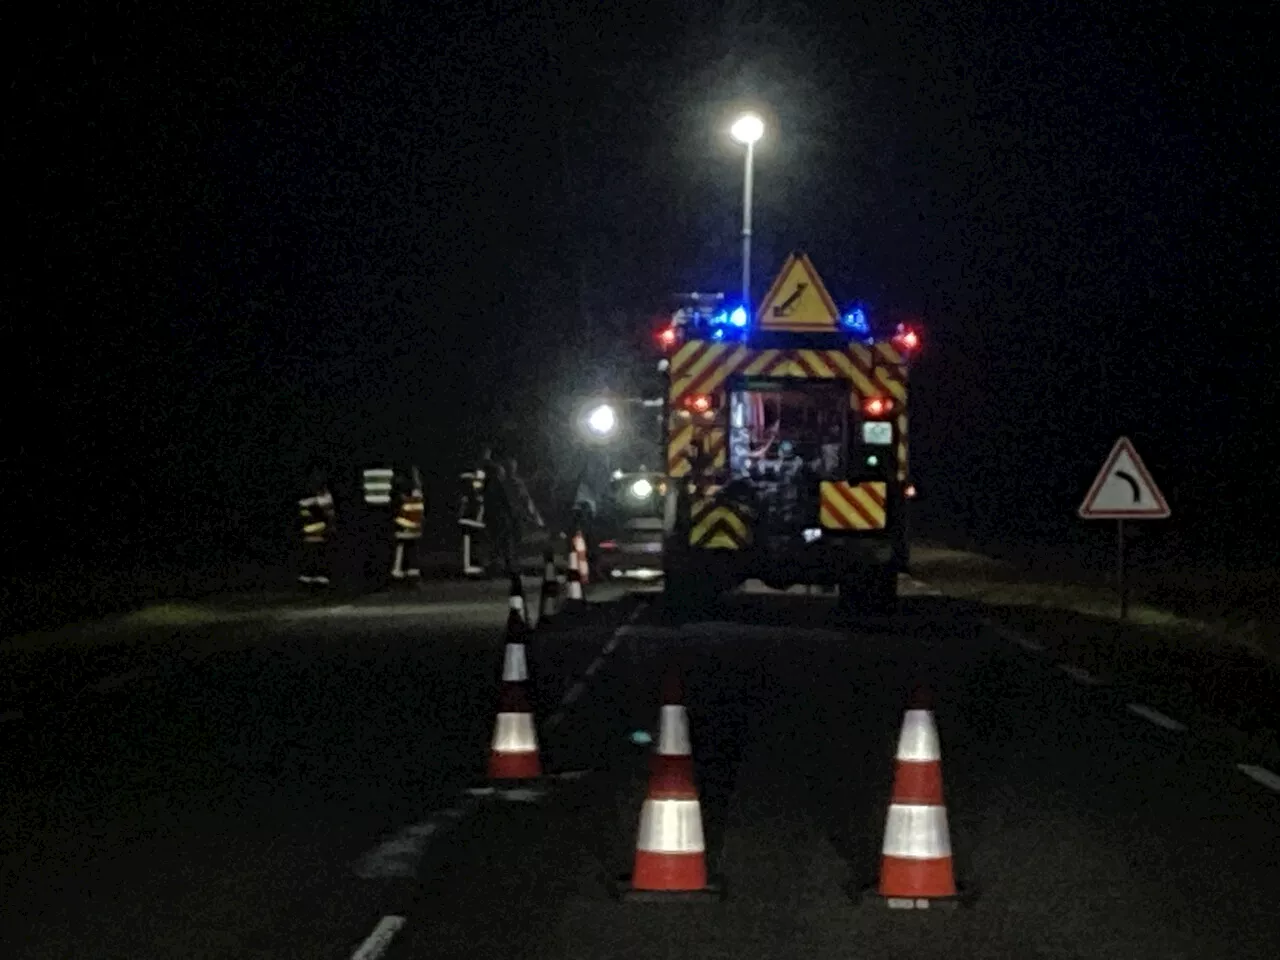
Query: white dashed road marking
{"type": "Point", "coordinates": [1156, 717]}
{"type": "Point", "coordinates": [1079, 674]}
{"type": "Point", "coordinates": [579, 687]}
{"type": "Point", "coordinates": [1026, 643]}
{"type": "Point", "coordinates": [109, 684]}
{"type": "Point", "coordinates": [1264, 776]}
{"type": "Point", "coordinates": [375, 945]}
{"type": "Point", "coordinates": [398, 857]}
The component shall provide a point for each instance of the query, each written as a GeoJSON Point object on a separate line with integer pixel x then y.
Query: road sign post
{"type": "Point", "coordinates": [1123, 490]}
{"type": "Point", "coordinates": [1122, 586]}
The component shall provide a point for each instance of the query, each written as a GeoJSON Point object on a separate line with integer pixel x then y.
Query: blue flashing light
{"type": "Point", "coordinates": [738, 317]}
{"type": "Point", "coordinates": [855, 321]}
{"type": "Point", "coordinates": [717, 333]}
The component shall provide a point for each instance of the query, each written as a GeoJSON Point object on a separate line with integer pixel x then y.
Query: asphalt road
{"type": "Point", "coordinates": [298, 787]}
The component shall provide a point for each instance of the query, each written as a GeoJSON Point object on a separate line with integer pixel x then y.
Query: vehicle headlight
{"type": "Point", "coordinates": [642, 489]}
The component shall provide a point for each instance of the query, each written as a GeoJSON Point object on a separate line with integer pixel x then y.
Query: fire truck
{"type": "Point", "coordinates": [786, 444]}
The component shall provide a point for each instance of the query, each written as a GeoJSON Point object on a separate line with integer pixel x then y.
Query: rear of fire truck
{"type": "Point", "coordinates": [786, 438]}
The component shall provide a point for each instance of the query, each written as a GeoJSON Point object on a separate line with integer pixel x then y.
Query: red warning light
{"type": "Point", "coordinates": [667, 337]}
{"type": "Point", "coordinates": [699, 403]}
{"type": "Point", "coordinates": [877, 406]}
{"type": "Point", "coordinates": [906, 339]}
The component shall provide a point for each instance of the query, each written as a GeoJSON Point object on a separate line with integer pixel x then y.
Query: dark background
{"type": "Point", "coordinates": [246, 236]}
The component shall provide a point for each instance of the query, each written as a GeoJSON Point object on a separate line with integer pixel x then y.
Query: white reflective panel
{"type": "Point", "coordinates": [673, 738]}
{"type": "Point", "coordinates": [915, 832]}
{"type": "Point", "coordinates": [877, 432]}
{"type": "Point", "coordinates": [515, 669]}
{"type": "Point", "coordinates": [919, 739]}
{"type": "Point", "coordinates": [514, 733]}
{"type": "Point", "coordinates": [670, 826]}
{"type": "Point", "coordinates": [515, 602]}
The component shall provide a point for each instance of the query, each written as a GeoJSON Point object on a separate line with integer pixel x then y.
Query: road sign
{"type": "Point", "coordinates": [1124, 489]}
{"type": "Point", "coordinates": [798, 301]}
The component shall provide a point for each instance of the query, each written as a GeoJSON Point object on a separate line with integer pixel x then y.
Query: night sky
{"type": "Point", "coordinates": [252, 236]}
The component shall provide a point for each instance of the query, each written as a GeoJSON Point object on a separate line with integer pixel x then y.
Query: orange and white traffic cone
{"type": "Point", "coordinates": [671, 857]}
{"type": "Point", "coordinates": [549, 599]}
{"type": "Point", "coordinates": [916, 870]}
{"type": "Point", "coordinates": [574, 596]}
{"type": "Point", "coordinates": [580, 548]}
{"type": "Point", "coordinates": [517, 625]}
{"type": "Point", "coordinates": [513, 752]}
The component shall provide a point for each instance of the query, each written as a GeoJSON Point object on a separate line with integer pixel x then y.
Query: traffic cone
{"type": "Point", "coordinates": [916, 870]}
{"type": "Point", "coordinates": [574, 594]}
{"type": "Point", "coordinates": [513, 752]}
{"type": "Point", "coordinates": [549, 601]}
{"type": "Point", "coordinates": [517, 626]}
{"type": "Point", "coordinates": [580, 548]}
{"type": "Point", "coordinates": [671, 858]}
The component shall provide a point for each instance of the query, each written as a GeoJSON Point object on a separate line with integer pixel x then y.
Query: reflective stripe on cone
{"type": "Point", "coordinates": [515, 668]}
{"type": "Point", "coordinates": [670, 850]}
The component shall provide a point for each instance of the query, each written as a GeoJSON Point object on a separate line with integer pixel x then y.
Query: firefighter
{"type": "Point", "coordinates": [500, 519]}
{"type": "Point", "coordinates": [525, 509]}
{"type": "Point", "coordinates": [317, 517]}
{"type": "Point", "coordinates": [407, 526]}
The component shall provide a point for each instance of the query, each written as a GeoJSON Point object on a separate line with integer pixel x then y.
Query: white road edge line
{"type": "Point", "coordinates": [375, 945]}
{"type": "Point", "coordinates": [1264, 776]}
{"type": "Point", "coordinates": [9, 715]}
{"type": "Point", "coordinates": [1156, 717]}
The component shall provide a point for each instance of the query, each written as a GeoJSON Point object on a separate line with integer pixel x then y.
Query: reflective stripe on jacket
{"type": "Point", "coordinates": [409, 516]}
{"type": "Point", "coordinates": [316, 514]}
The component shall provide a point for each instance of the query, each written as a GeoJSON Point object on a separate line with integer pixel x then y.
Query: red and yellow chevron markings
{"type": "Point", "coordinates": [851, 506]}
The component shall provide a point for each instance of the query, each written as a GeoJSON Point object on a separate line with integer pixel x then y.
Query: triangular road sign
{"type": "Point", "coordinates": [1124, 489]}
{"type": "Point", "coordinates": [798, 301]}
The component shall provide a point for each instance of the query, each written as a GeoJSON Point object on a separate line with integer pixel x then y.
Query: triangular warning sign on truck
{"type": "Point", "coordinates": [1124, 489]}
{"type": "Point", "coordinates": [798, 301]}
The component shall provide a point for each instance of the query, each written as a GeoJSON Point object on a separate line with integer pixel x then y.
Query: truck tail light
{"type": "Point", "coordinates": [877, 407]}
{"type": "Point", "coordinates": [698, 403]}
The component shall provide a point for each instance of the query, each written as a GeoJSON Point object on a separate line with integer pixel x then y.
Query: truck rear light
{"type": "Point", "coordinates": [910, 491]}
{"type": "Point", "coordinates": [877, 406]}
{"type": "Point", "coordinates": [698, 403]}
{"type": "Point", "coordinates": [667, 338]}
{"type": "Point", "coordinates": [608, 544]}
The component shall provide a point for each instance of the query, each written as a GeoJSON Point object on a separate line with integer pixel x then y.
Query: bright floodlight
{"type": "Point", "coordinates": [641, 489]}
{"type": "Point", "coordinates": [602, 420]}
{"type": "Point", "coordinates": [748, 128]}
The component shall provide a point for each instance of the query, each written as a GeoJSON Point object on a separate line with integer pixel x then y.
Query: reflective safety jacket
{"type": "Point", "coordinates": [408, 520]}
{"type": "Point", "coordinates": [471, 502]}
{"type": "Point", "coordinates": [316, 516]}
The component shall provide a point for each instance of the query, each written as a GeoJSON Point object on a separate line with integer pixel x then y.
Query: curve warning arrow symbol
{"type": "Point", "coordinates": [1130, 479]}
